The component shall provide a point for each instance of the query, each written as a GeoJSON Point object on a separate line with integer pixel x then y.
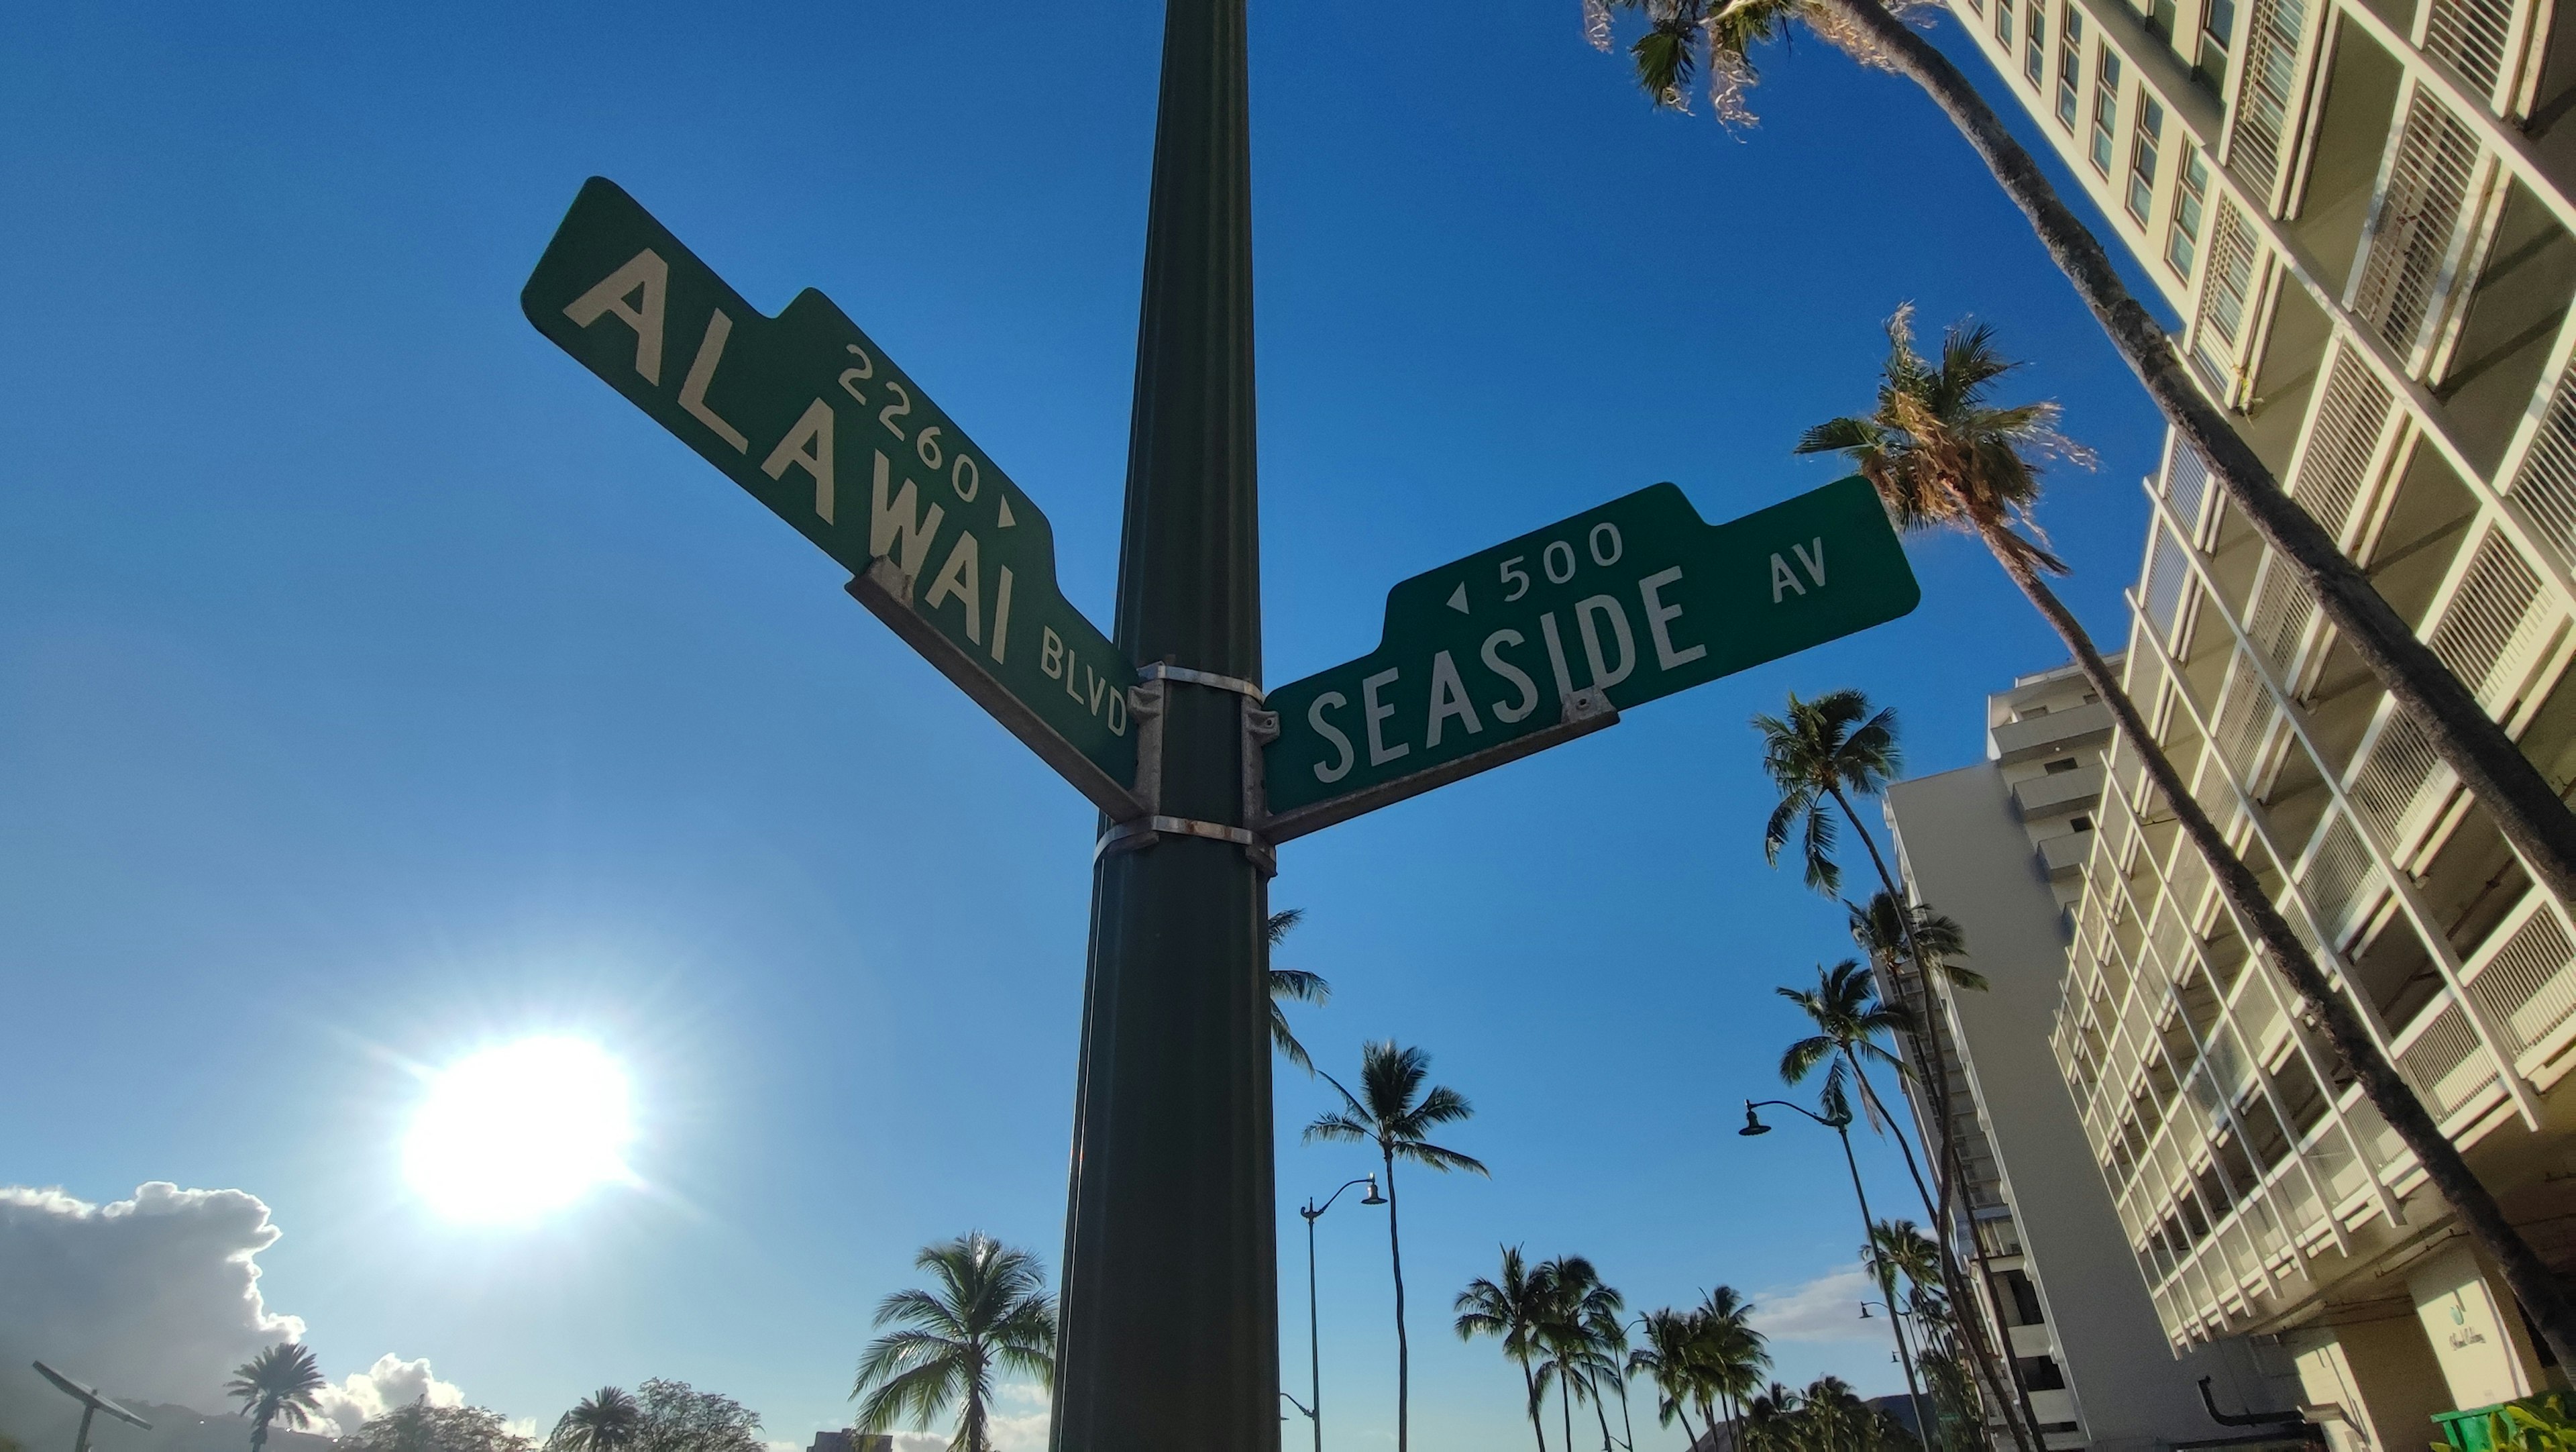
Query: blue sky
{"type": "Point", "coordinates": [375, 684]}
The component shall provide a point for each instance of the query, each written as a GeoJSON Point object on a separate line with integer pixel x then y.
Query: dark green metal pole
{"type": "Point", "coordinates": [1170, 1330]}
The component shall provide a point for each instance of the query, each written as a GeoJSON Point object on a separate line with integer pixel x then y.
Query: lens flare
{"type": "Point", "coordinates": [512, 1132]}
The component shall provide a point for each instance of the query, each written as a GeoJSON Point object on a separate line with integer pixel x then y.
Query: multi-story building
{"type": "Point", "coordinates": [1998, 847]}
{"type": "Point", "coordinates": [2360, 211]}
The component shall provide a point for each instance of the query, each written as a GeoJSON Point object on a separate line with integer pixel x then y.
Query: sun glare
{"type": "Point", "coordinates": [512, 1132]}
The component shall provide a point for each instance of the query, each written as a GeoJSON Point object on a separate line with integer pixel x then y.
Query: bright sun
{"type": "Point", "coordinates": [511, 1132]}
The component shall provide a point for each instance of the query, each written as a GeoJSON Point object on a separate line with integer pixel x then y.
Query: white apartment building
{"type": "Point", "coordinates": [1998, 846]}
{"type": "Point", "coordinates": [2360, 210]}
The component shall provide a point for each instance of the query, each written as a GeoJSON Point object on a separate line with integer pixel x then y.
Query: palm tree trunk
{"type": "Point", "coordinates": [1531, 1386]}
{"type": "Point", "coordinates": [2531, 1280]}
{"type": "Point", "coordinates": [1565, 1402]}
{"type": "Point", "coordinates": [1602, 1412]}
{"type": "Point", "coordinates": [1935, 1073]}
{"type": "Point", "coordinates": [2532, 816]}
{"type": "Point", "coordinates": [1627, 1422]}
{"type": "Point", "coordinates": [1950, 1283]}
{"type": "Point", "coordinates": [1403, 1353]}
{"type": "Point", "coordinates": [1683, 1413]}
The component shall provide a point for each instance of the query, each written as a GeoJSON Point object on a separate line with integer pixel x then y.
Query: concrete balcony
{"type": "Point", "coordinates": [2059, 791]}
{"type": "Point", "coordinates": [2059, 731]}
{"type": "Point", "coordinates": [2031, 1340]}
{"type": "Point", "coordinates": [2064, 856]}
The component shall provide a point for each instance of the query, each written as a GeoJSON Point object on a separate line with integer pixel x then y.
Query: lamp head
{"type": "Point", "coordinates": [1372, 1197]}
{"type": "Point", "coordinates": [1753, 1124]}
{"type": "Point", "coordinates": [1864, 1311]}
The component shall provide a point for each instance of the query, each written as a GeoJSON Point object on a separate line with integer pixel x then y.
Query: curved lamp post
{"type": "Point", "coordinates": [1840, 1124]}
{"type": "Point", "coordinates": [1313, 1406]}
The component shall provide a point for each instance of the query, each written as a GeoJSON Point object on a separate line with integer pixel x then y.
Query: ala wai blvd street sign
{"type": "Point", "coordinates": [1484, 660]}
{"type": "Point", "coordinates": [810, 417]}
{"type": "Point", "coordinates": [1167, 1336]}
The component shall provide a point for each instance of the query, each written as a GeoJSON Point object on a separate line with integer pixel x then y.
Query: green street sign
{"type": "Point", "coordinates": [810, 417]}
{"type": "Point", "coordinates": [1548, 636]}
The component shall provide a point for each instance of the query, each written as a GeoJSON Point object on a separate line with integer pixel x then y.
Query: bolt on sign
{"type": "Point", "coordinates": [1544, 636]}
{"type": "Point", "coordinates": [810, 417]}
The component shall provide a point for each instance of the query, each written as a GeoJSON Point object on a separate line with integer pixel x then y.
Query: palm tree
{"type": "Point", "coordinates": [1287, 983]}
{"type": "Point", "coordinates": [1891, 936]}
{"type": "Point", "coordinates": [990, 1310]}
{"type": "Point", "coordinates": [1670, 1359]}
{"type": "Point", "coordinates": [1849, 1018]}
{"type": "Point", "coordinates": [1940, 453]}
{"type": "Point", "coordinates": [1685, 34]}
{"type": "Point", "coordinates": [1772, 1422]}
{"type": "Point", "coordinates": [281, 1384]}
{"type": "Point", "coordinates": [1820, 755]}
{"type": "Point", "coordinates": [1732, 1354]}
{"type": "Point", "coordinates": [1511, 1308]}
{"type": "Point", "coordinates": [1387, 1113]}
{"type": "Point", "coordinates": [1576, 1308]}
{"type": "Point", "coordinates": [608, 1420]}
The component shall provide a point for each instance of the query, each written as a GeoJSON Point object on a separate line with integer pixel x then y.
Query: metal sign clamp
{"type": "Point", "coordinates": [1145, 703]}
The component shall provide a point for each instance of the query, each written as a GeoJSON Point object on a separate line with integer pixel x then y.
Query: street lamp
{"type": "Point", "coordinates": [1313, 1406]}
{"type": "Point", "coordinates": [1840, 1124]}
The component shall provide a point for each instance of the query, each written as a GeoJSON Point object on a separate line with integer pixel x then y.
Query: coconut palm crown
{"type": "Point", "coordinates": [1394, 1112]}
{"type": "Point", "coordinates": [989, 1312]}
{"type": "Point", "coordinates": [281, 1384]}
{"type": "Point", "coordinates": [607, 1420]}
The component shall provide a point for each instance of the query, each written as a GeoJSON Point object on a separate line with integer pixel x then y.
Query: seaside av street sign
{"type": "Point", "coordinates": [1545, 637]}
{"type": "Point", "coordinates": [810, 417]}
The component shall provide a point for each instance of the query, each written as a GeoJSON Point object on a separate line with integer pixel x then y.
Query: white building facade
{"type": "Point", "coordinates": [1998, 847]}
{"type": "Point", "coordinates": [2360, 209]}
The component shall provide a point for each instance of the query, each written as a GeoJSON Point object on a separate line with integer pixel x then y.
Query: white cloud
{"type": "Point", "coordinates": [392, 1382]}
{"type": "Point", "coordinates": [156, 1299]}
{"type": "Point", "coordinates": [1824, 1309]}
{"type": "Point", "coordinates": [1021, 1431]}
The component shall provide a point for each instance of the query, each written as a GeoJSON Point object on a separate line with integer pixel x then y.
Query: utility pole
{"type": "Point", "coordinates": [1170, 1330]}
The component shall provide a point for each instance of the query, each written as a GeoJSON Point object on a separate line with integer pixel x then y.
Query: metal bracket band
{"type": "Point", "coordinates": [1160, 671]}
{"type": "Point", "coordinates": [1128, 836]}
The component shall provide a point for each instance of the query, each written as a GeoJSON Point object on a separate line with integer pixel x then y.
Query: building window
{"type": "Point", "coordinates": [2082, 824]}
{"type": "Point", "coordinates": [2034, 45]}
{"type": "Point", "coordinates": [2025, 1298]}
{"type": "Point", "coordinates": [2182, 244]}
{"type": "Point", "coordinates": [2106, 109]}
{"type": "Point", "coordinates": [2070, 62]}
{"type": "Point", "coordinates": [2063, 763]}
{"type": "Point", "coordinates": [2142, 157]}
{"type": "Point", "coordinates": [2217, 25]}
{"type": "Point", "coordinates": [2042, 1373]}
{"type": "Point", "coordinates": [2003, 26]}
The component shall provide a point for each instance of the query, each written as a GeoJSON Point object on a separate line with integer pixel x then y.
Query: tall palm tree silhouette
{"type": "Point", "coordinates": [1719, 35]}
{"type": "Point", "coordinates": [281, 1384]}
{"type": "Point", "coordinates": [1940, 453]}
{"type": "Point", "coordinates": [1387, 1113]}
{"type": "Point", "coordinates": [1512, 1306]}
{"type": "Point", "coordinates": [990, 1311]}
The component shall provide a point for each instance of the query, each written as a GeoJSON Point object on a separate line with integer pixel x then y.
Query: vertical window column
{"type": "Point", "coordinates": [2182, 244]}
{"type": "Point", "coordinates": [2070, 62]}
{"type": "Point", "coordinates": [2142, 157]}
{"type": "Point", "coordinates": [2106, 110]}
{"type": "Point", "coordinates": [2034, 47]}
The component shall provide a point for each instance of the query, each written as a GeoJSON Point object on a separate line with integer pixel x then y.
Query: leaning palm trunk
{"type": "Point", "coordinates": [2489, 764]}
{"type": "Point", "coordinates": [2532, 1281]}
{"type": "Point", "coordinates": [1978, 1352]}
{"type": "Point", "coordinates": [1925, 1042]}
